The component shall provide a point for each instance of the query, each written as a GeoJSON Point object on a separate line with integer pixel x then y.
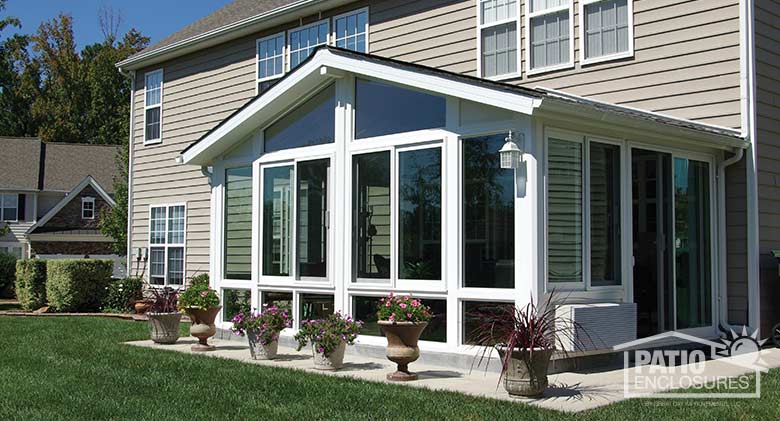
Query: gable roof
{"type": "Point", "coordinates": [19, 163]}
{"type": "Point", "coordinates": [87, 181]}
{"type": "Point", "coordinates": [33, 165]}
{"type": "Point", "coordinates": [328, 61]}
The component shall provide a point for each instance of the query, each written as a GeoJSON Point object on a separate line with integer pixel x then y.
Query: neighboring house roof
{"type": "Point", "coordinates": [66, 164]}
{"type": "Point", "coordinates": [87, 181]}
{"type": "Point", "coordinates": [328, 59]}
{"type": "Point", "coordinates": [30, 164]}
{"type": "Point", "coordinates": [19, 158]}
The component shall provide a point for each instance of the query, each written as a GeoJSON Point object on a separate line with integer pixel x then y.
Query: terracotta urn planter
{"type": "Point", "coordinates": [142, 306]}
{"type": "Point", "coordinates": [260, 351]}
{"type": "Point", "coordinates": [164, 327]}
{"type": "Point", "coordinates": [203, 327]}
{"type": "Point", "coordinates": [527, 372]}
{"type": "Point", "coordinates": [402, 347]}
{"type": "Point", "coordinates": [334, 361]}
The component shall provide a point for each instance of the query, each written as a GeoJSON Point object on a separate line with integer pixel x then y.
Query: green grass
{"type": "Point", "coordinates": [78, 368]}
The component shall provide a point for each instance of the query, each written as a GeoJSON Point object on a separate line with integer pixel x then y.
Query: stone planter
{"type": "Point", "coordinates": [402, 347]}
{"type": "Point", "coordinates": [526, 374]}
{"type": "Point", "coordinates": [142, 306]}
{"type": "Point", "coordinates": [203, 327]}
{"type": "Point", "coordinates": [260, 351]}
{"type": "Point", "coordinates": [164, 327]}
{"type": "Point", "coordinates": [334, 361]}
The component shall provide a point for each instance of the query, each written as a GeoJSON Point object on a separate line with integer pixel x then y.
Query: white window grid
{"type": "Point", "coordinates": [512, 17]}
{"type": "Point", "coordinates": [584, 59]}
{"type": "Point", "coordinates": [354, 30]}
{"type": "Point", "coordinates": [167, 242]}
{"type": "Point", "coordinates": [532, 13]}
{"type": "Point", "coordinates": [9, 201]}
{"type": "Point", "coordinates": [87, 208]}
{"type": "Point", "coordinates": [298, 53]}
{"type": "Point", "coordinates": [153, 98]}
{"type": "Point", "coordinates": [272, 62]}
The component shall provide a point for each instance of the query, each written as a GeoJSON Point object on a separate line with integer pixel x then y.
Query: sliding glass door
{"type": "Point", "coordinates": [672, 242]}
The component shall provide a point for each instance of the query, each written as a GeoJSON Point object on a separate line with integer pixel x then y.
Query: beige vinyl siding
{"type": "Point", "coordinates": [767, 30]}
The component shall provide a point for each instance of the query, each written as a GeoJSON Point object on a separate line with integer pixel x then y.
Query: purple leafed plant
{"type": "Point", "coordinates": [164, 300]}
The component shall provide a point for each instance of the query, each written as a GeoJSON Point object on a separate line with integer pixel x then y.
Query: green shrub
{"type": "Point", "coordinates": [202, 279]}
{"type": "Point", "coordinates": [31, 283]}
{"type": "Point", "coordinates": [121, 293]}
{"type": "Point", "coordinates": [7, 274]}
{"type": "Point", "coordinates": [78, 284]}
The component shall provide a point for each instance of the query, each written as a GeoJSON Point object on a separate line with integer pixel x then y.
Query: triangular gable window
{"type": "Point", "coordinates": [311, 123]}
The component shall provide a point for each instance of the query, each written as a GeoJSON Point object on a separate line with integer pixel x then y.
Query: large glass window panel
{"type": "Point", "coordinates": [499, 50]}
{"type": "Point", "coordinates": [175, 265]}
{"type": "Point", "coordinates": [605, 231]}
{"type": "Point", "coordinates": [157, 266]}
{"type": "Point", "coordinates": [371, 213]}
{"type": "Point", "coordinates": [351, 31]}
{"type": "Point", "coordinates": [692, 243]}
{"type": "Point", "coordinates": [564, 211]}
{"type": "Point", "coordinates": [488, 215]}
{"type": "Point", "coordinates": [474, 313]}
{"type": "Point", "coordinates": [312, 221]}
{"type": "Point", "coordinates": [419, 214]}
{"type": "Point", "coordinates": [550, 40]}
{"type": "Point", "coordinates": [157, 225]}
{"type": "Point", "coordinates": [606, 28]}
{"type": "Point", "coordinates": [315, 306]}
{"type": "Point", "coordinates": [238, 223]}
{"type": "Point", "coordinates": [235, 301]}
{"type": "Point", "coordinates": [280, 299]}
{"type": "Point", "coordinates": [312, 123]}
{"type": "Point", "coordinates": [277, 220]}
{"type": "Point", "coordinates": [176, 225]}
{"type": "Point", "coordinates": [365, 308]}
{"type": "Point", "coordinates": [382, 109]}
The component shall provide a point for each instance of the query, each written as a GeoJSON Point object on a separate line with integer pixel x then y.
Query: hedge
{"type": "Point", "coordinates": [7, 274]}
{"type": "Point", "coordinates": [31, 283]}
{"type": "Point", "coordinates": [78, 284]}
{"type": "Point", "coordinates": [121, 295]}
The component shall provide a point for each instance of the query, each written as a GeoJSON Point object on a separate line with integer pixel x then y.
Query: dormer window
{"type": "Point", "coordinates": [87, 208]}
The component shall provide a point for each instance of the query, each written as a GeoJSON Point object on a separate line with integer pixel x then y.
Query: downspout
{"type": "Point", "coordinates": [723, 320]}
{"type": "Point", "coordinates": [130, 75]}
{"type": "Point", "coordinates": [748, 105]}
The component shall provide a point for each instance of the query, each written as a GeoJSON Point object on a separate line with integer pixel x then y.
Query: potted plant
{"type": "Point", "coordinates": [163, 315]}
{"type": "Point", "coordinates": [329, 339]}
{"type": "Point", "coordinates": [262, 330]}
{"type": "Point", "coordinates": [201, 303]}
{"type": "Point", "coordinates": [402, 320]}
{"type": "Point", "coordinates": [525, 339]}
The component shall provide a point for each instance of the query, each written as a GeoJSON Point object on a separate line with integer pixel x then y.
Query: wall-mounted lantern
{"type": "Point", "coordinates": [512, 154]}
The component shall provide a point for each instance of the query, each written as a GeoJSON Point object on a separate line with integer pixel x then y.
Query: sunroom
{"type": "Point", "coordinates": [357, 176]}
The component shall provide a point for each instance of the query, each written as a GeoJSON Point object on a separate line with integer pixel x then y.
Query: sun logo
{"type": "Point", "coordinates": [743, 345]}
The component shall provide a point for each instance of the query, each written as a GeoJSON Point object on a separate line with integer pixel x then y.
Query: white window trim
{"type": "Point", "coordinates": [518, 31]}
{"type": "Point", "coordinates": [85, 200]}
{"type": "Point", "coordinates": [285, 48]}
{"type": "Point", "coordinates": [333, 35]}
{"type": "Point", "coordinates": [288, 45]}
{"type": "Point", "coordinates": [162, 89]}
{"type": "Point", "coordinates": [530, 15]}
{"type": "Point", "coordinates": [2, 207]}
{"type": "Point", "coordinates": [625, 54]}
{"type": "Point", "coordinates": [167, 245]}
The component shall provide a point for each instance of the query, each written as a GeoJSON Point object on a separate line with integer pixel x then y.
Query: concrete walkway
{"type": "Point", "coordinates": [570, 392]}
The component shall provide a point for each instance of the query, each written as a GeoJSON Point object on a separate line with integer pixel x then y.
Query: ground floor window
{"type": "Point", "coordinates": [280, 299]}
{"type": "Point", "coordinates": [474, 313]}
{"type": "Point", "coordinates": [365, 308]}
{"type": "Point", "coordinates": [315, 306]}
{"type": "Point", "coordinates": [16, 250]}
{"type": "Point", "coordinates": [235, 301]}
{"type": "Point", "coordinates": [166, 245]}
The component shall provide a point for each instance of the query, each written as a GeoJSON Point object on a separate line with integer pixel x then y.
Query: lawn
{"type": "Point", "coordinates": [78, 368]}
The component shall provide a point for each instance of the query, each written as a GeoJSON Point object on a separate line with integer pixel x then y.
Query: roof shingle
{"type": "Point", "coordinates": [19, 163]}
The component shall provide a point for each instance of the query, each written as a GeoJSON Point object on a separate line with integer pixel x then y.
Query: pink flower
{"type": "Point", "coordinates": [408, 315]}
{"type": "Point", "coordinates": [321, 350]}
{"type": "Point", "coordinates": [402, 305]}
{"type": "Point", "coordinates": [415, 303]}
{"type": "Point", "coordinates": [392, 317]}
{"type": "Point", "coordinates": [387, 304]}
{"type": "Point", "coordinates": [204, 293]}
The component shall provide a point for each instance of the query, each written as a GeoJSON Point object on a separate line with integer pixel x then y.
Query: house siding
{"type": "Point", "coordinates": [767, 36]}
{"type": "Point", "coordinates": [686, 64]}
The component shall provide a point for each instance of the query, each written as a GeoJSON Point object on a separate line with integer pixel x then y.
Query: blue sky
{"type": "Point", "coordinates": [154, 18]}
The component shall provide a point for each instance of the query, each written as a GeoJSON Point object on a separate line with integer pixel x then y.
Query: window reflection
{"type": "Point", "coordinates": [312, 123]}
{"type": "Point", "coordinates": [277, 220]}
{"type": "Point", "coordinates": [371, 210]}
{"type": "Point", "coordinates": [383, 109]}
{"type": "Point", "coordinates": [312, 218]}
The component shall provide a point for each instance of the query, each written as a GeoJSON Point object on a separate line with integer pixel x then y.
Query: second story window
{"type": "Point", "coordinates": [153, 95]}
{"type": "Point", "coordinates": [270, 61]}
{"type": "Point", "coordinates": [9, 207]}
{"type": "Point", "coordinates": [549, 26]}
{"type": "Point", "coordinates": [498, 37]}
{"type": "Point", "coordinates": [607, 29]}
{"type": "Point", "coordinates": [304, 39]}
{"type": "Point", "coordinates": [351, 31]}
{"type": "Point", "coordinates": [88, 208]}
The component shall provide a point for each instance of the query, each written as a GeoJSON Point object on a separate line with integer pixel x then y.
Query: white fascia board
{"type": "Point", "coordinates": [87, 181]}
{"type": "Point", "coordinates": [323, 58]}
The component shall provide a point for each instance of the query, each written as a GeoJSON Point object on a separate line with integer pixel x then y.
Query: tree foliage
{"type": "Point", "coordinates": [50, 89]}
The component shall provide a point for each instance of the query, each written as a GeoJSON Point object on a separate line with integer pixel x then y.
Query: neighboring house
{"type": "Point", "coordinates": [327, 177]}
{"type": "Point", "coordinates": [52, 196]}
